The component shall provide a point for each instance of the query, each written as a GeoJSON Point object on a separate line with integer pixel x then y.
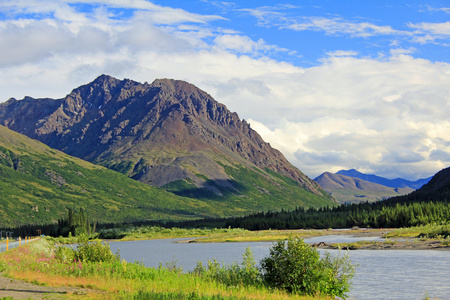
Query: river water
{"type": "Point", "coordinates": [380, 274]}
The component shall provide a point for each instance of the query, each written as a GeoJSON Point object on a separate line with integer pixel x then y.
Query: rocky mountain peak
{"type": "Point", "coordinates": [158, 133]}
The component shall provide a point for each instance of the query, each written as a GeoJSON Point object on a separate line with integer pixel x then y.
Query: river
{"type": "Point", "coordinates": [380, 274]}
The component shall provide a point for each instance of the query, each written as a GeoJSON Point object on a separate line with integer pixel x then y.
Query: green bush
{"type": "Point", "coordinates": [95, 252]}
{"type": "Point", "coordinates": [297, 268]}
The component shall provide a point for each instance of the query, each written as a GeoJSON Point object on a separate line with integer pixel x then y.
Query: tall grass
{"type": "Point", "coordinates": [42, 263]}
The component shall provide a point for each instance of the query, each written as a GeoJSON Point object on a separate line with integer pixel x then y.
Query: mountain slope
{"type": "Point", "coordinates": [393, 183]}
{"type": "Point", "coordinates": [436, 190]}
{"type": "Point", "coordinates": [38, 184]}
{"type": "Point", "coordinates": [353, 190]}
{"type": "Point", "coordinates": [168, 133]}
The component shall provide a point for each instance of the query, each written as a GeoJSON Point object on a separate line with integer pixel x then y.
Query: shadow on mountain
{"type": "Point", "coordinates": [219, 189]}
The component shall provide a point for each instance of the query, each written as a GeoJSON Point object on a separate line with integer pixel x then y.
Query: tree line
{"type": "Point", "coordinates": [76, 223]}
{"type": "Point", "coordinates": [428, 205]}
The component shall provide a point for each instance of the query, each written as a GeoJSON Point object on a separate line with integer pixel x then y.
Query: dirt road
{"type": "Point", "coordinates": [23, 290]}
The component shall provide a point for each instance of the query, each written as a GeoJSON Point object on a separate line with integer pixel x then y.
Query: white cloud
{"type": "Point", "coordinates": [434, 28]}
{"type": "Point", "coordinates": [334, 26]}
{"type": "Point", "coordinates": [430, 32]}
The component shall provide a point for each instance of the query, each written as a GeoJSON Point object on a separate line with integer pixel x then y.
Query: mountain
{"type": "Point", "coordinates": [436, 190]}
{"type": "Point", "coordinates": [38, 184]}
{"type": "Point", "coordinates": [168, 134]}
{"type": "Point", "coordinates": [393, 183]}
{"type": "Point", "coordinates": [353, 190]}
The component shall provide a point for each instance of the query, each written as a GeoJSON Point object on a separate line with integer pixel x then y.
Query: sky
{"type": "Point", "coordinates": [332, 84]}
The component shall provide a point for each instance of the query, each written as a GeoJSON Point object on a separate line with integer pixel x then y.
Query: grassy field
{"type": "Point", "coordinates": [38, 262]}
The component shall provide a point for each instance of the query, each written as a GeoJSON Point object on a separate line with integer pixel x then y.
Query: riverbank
{"type": "Point", "coordinates": [228, 234]}
{"type": "Point", "coordinates": [401, 239]}
{"type": "Point", "coordinates": [410, 244]}
{"type": "Point", "coordinates": [38, 270]}
{"type": "Point", "coordinates": [393, 239]}
{"type": "Point", "coordinates": [277, 235]}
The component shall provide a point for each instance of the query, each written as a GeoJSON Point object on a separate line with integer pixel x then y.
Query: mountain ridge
{"type": "Point", "coordinates": [168, 133]}
{"type": "Point", "coordinates": [393, 183]}
{"type": "Point", "coordinates": [348, 189]}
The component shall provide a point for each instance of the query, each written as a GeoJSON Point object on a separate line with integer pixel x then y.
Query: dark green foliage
{"type": "Point", "coordinates": [76, 224]}
{"type": "Point", "coordinates": [297, 268]}
{"type": "Point", "coordinates": [382, 214]}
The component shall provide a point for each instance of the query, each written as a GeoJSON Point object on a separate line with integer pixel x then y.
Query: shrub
{"type": "Point", "coordinates": [297, 268]}
{"type": "Point", "coordinates": [95, 252]}
{"type": "Point", "coordinates": [245, 274]}
{"type": "Point", "coordinates": [338, 271]}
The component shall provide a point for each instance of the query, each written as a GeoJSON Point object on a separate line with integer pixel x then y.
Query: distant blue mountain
{"type": "Point", "coordinates": [394, 183]}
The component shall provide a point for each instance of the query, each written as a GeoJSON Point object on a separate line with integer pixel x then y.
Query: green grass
{"type": "Point", "coordinates": [39, 262]}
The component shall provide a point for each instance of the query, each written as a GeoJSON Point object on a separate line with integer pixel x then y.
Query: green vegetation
{"type": "Point", "coordinates": [297, 267]}
{"type": "Point", "coordinates": [76, 224]}
{"type": "Point", "coordinates": [94, 267]}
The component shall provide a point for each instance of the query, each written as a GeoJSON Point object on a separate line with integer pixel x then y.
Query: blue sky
{"type": "Point", "coordinates": [332, 84]}
{"type": "Point", "coordinates": [308, 30]}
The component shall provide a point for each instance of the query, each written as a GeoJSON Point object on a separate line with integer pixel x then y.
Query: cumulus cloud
{"type": "Point", "coordinates": [379, 115]}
